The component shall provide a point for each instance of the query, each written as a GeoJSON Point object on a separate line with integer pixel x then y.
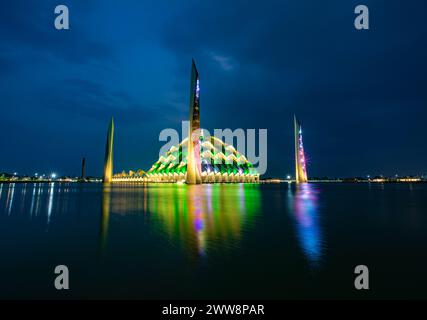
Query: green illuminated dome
{"type": "Point", "coordinates": [219, 162]}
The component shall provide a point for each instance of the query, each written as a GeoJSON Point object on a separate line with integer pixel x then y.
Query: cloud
{"type": "Point", "coordinates": [98, 101]}
{"type": "Point", "coordinates": [226, 63]}
{"type": "Point", "coordinates": [258, 65]}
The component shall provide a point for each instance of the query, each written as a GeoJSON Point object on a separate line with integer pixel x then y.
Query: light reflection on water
{"type": "Point", "coordinates": [9, 201]}
{"type": "Point", "coordinates": [199, 217]}
{"type": "Point", "coordinates": [49, 208]}
{"type": "Point", "coordinates": [105, 218]}
{"type": "Point", "coordinates": [37, 199]}
{"type": "Point", "coordinates": [151, 235]}
{"type": "Point", "coordinates": [303, 202]}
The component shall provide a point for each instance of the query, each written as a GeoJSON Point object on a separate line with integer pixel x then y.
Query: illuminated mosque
{"type": "Point", "coordinates": [197, 159]}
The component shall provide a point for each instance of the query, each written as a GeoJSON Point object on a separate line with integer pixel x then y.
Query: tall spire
{"type": "Point", "coordinates": [194, 97]}
{"type": "Point", "coordinates": [300, 161]}
{"type": "Point", "coordinates": [194, 175]}
{"type": "Point", "coordinates": [83, 168]}
{"type": "Point", "coordinates": [108, 162]}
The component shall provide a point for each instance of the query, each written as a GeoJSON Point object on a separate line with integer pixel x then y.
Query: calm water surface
{"type": "Point", "coordinates": [213, 241]}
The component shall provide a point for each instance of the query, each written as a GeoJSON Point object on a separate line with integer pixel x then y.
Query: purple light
{"type": "Point", "coordinates": [198, 224]}
{"type": "Point", "coordinates": [197, 88]}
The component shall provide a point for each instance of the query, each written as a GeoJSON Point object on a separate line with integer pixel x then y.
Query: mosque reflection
{"type": "Point", "coordinates": [303, 202]}
{"type": "Point", "coordinates": [201, 219]}
{"type": "Point", "coordinates": [198, 217]}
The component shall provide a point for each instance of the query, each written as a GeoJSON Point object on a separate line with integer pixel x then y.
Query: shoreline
{"type": "Point", "coordinates": [261, 182]}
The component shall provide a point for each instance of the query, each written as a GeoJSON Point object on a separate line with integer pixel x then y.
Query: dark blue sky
{"type": "Point", "coordinates": [360, 95]}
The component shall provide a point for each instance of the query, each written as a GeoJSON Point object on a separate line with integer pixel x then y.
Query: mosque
{"type": "Point", "coordinates": [197, 159]}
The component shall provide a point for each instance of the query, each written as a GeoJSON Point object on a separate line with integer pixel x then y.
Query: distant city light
{"type": "Point", "coordinates": [288, 177]}
{"type": "Point", "coordinates": [53, 175]}
{"type": "Point", "coordinates": [15, 173]}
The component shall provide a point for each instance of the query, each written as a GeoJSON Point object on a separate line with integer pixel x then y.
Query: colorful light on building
{"type": "Point", "coordinates": [300, 162]}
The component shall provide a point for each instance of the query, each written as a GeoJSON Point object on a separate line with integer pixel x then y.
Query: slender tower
{"type": "Point", "coordinates": [194, 170]}
{"type": "Point", "coordinates": [300, 161]}
{"type": "Point", "coordinates": [108, 162]}
{"type": "Point", "coordinates": [83, 168]}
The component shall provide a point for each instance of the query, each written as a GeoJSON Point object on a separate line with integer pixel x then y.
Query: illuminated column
{"type": "Point", "coordinates": [194, 169]}
{"type": "Point", "coordinates": [108, 162]}
{"type": "Point", "coordinates": [300, 161]}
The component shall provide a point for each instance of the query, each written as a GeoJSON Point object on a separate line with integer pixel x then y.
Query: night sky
{"type": "Point", "coordinates": [361, 96]}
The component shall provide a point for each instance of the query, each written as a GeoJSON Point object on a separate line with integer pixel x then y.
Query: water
{"type": "Point", "coordinates": [213, 241]}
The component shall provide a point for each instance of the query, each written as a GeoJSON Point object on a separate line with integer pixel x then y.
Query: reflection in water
{"type": "Point", "coordinates": [34, 199]}
{"type": "Point", "coordinates": [22, 200]}
{"type": "Point", "coordinates": [198, 217]}
{"type": "Point", "coordinates": [9, 199]}
{"type": "Point", "coordinates": [50, 203]}
{"type": "Point", "coordinates": [38, 196]}
{"type": "Point", "coordinates": [304, 208]}
{"type": "Point", "coordinates": [201, 216]}
{"type": "Point", "coordinates": [33, 196]}
{"type": "Point", "coordinates": [105, 218]}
